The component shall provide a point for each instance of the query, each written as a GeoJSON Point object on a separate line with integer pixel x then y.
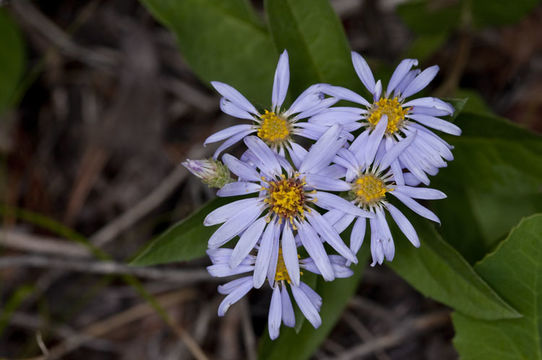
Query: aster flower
{"type": "Point", "coordinates": [210, 171]}
{"type": "Point", "coordinates": [281, 309]}
{"type": "Point", "coordinates": [428, 151]}
{"type": "Point", "coordinates": [371, 180]}
{"type": "Point", "coordinates": [275, 126]}
{"type": "Point", "coordinates": [285, 205]}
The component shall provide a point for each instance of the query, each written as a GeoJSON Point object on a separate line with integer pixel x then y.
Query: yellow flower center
{"type": "Point", "coordinates": [393, 109]}
{"type": "Point", "coordinates": [286, 198]}
{"type": "Point", "coordinates": [273, 128]}
{"type": "Point", "coordinates": [281, 273]}
{"type": "Point", "coordinates": [369, 189]}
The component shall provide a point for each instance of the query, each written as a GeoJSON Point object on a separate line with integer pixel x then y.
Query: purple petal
{"type": "Point", "coordinates": [345, 94]}
{"type": "Point", "coordinates": [329, 202]}
{"type": "Point", "coordinates": [421, 193]}
{"type": "Point", "coordinates": [268, 159]}
{"type": "Point", "coordinates": [234, 96]}
{"type": "Point", "coordinates": [226, 212]}
{"type": "Point", "coordinates": [234, 226]}
{"type": "Point", "coordinates": [399, 74]}
{"type": "Point", "coordinates": [325, 183]}
{"type": "Point", "coordinates": [405, 225]}
{"type": "Point", "coordinates": [264, 256]}
{"type": "Point", "coordinates": [247, 242]}
{"type": "Point", "coordinates": [281, 81]}
{"type": "Point", "coordinates": [240, 168]}
{"type": "Point", "coordinates": [233, 110]}
{"type": "Point", "coordinates": [436, 123]}
{"type": "Point", "coordinates": [288, 315]}
{"type": "Point", "coordinates": [364, 72]}
{"type": "Point", "coordinates": [329, 234]}
{"type": "Point", "coordinates": [226, 133]}
{"type": "Point", "coordinates": [357, 235]}
{"type": "Point", "coordinates": [232, 140]}
{"type": "Point", "coordinates": [234, 284]}
{"type": "Point", "coordinates": [306, 307]}
{"type": "Point", "coordinates": [393, 153]}
{"type": "Point", "coordinates": [233, 297]}
{"type": "Point", "coordinates": [275, 312]}
{"type": "Point", "coordinates": [289, 254]}
{"type": "Point", "coordinates": [323, 151]}
{"type": "Point", "coordinates": [315, 249]}
{"type": "Point", "coordinates": [238, 188]}
{"type": "Point", "coordinates": [421, 81]}
{"type": "Point", "coordinates": [416, 207]}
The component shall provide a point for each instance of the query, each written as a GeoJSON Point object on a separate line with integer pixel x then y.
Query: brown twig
{"type": "Point", "coordinates": [106, 268]}
{"type": "Point", "coordinates": [405, 330]}
{"type": "Point", "coordinates": [137, 312]}
{"type": "Point", "coordinates": [363, 333]}
{"type": "Point", "coordinates": [149, 203]}
{"type": "Point", "coordinates": [44, 245]}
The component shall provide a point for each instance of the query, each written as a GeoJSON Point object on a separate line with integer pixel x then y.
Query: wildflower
{"type": "Point", "coordinates": [275, 126]}
{"type": "Point", "coordinates": [211, 172]}
{"type": "Point", "coordinates": [281, 308]}
{"type": "Point", "coordinates": [371, 180]}
{"type": "Point", "coordinates": [428, 152]}
{"type": "Point", "coordinates": [285, 205]}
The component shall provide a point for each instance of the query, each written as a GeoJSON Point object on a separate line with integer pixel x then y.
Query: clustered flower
{"type": "Point", "coordinates": [313, 170]}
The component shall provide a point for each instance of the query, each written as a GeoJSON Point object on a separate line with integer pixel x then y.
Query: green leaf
{"type": "Point", "coordinates": [514, 270]}
{"type": "Point", "coordinates": [425, 45]}
{"type": "Point", "coordinates": [500, 12]}
{"type": "Point", "coordinates": [430, 18]}
{"type": "Point", "coordinates": [335, 296]}
{"type": "Point", "coordinates": [222, 40]}
{"type": "Point", "coordinates": [494, 181]}
{"type": "Point", "coordinates": [316, 43]}
{"type": "Point", "coordinates": [437, 270]}
{"type": "Point", "coordinates": [11, 60]}
{"type": "Point", "coordinates": [184, 241]}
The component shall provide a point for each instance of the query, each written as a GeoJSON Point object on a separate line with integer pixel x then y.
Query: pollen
{"type": "Point", "coordinates": [286, 198]}
{"type": "Point", "coordinates": [369, 189]}
{"type": "Point", "coordinates": [393, 109]}
{"type": "Point", "coordinates": [282, 273]}
{"type": "Point", "coordinates": [273, 129]}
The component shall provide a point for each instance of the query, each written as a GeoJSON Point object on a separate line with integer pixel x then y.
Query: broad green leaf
{"type": "Point", "coordinates": [222, 40]}
{"type": "Point", "coordinates": [316, 43]}
{"type": "Point", "coordinates": [514, 271]}
{"type": "Point", "coordinates": [184, 241]}
{"type": "Point", "coordinates": [475, 103]}
{"type": "Point", "coordinates": [438, 271]}
{"type": "Point", "coordinates": [494, 181]}
{"type": "Point", "coordinates": [11, 60]}
{"type": "Point", "coordinates": [335, 296]}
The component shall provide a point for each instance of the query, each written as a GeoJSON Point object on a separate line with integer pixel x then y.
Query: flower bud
{"type": "Point", "coordinates": [211, 172]}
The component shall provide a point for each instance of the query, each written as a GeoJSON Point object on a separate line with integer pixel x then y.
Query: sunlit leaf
{"type": "Point", "coordinates": [222, 40]}
{"type": "Point", "coordinates": [494, 181]}
{"type": "Point", "coordinates": [184, 241]}
{"type": "Point", "coordinates": [438, 271]}
{"type": "Point", "coordinates": [514, 270]}
{"type": "Point", "coordinates": [314, 37]}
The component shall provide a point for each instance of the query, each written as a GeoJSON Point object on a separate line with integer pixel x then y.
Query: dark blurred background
{"type": "Point", "coordinates": [107, 111]}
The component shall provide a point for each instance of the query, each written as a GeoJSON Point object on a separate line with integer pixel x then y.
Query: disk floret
{"type": "Point", "coordinates": [369, 189]}
{"type": "Point", "coordinates": [281, 274]}
{"type": "Point", "coordinates": [286, 198]}
{"type": "Point", "coordinates": [393, 109]}
{"type": "Point", "coordinates": [273, 129]}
